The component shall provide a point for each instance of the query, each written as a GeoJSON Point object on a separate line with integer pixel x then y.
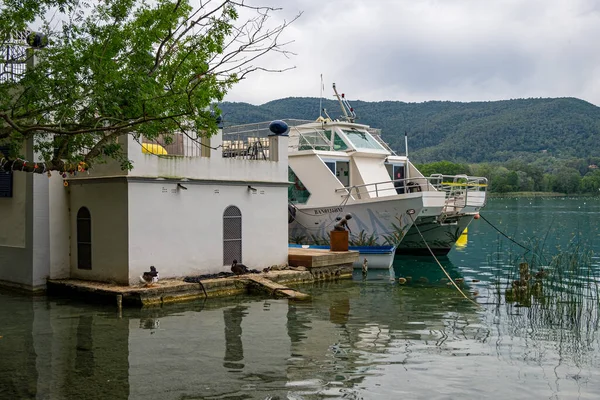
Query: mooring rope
{"type": "Point", "coordinates": [503, 234]}
{"type": "Point", "coordinates": [440, 265]}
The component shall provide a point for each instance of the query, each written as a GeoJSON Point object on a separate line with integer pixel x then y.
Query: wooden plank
{"type": "Point", "coordinates": [276, 289]}
{"type": "Point", "coordinates": [312, 258]}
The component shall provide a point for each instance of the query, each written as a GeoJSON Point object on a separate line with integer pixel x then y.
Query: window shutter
{"type": "Point", "coordinates": [6, 178]}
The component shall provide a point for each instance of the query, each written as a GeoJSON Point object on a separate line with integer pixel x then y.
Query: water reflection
{"type": "Point", "coordinates": [50, 350]}
{"type": "Point", "coordinates": [371, 338]}
{"type": "Point", "coordinates": [234, 349]}
{"type": "Point", "coordinates": [84, 355]}
{"type": "Point", "coordinates": [354, 339]}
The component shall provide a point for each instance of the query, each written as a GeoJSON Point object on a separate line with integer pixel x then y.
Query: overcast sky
{"type": "Point", "coordinates": [419, 50]}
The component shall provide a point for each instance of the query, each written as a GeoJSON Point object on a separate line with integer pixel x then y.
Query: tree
{"type": "Point", "coordinates": [124, 67]}
{"type": "Point", "coordinates": [591, 182]}
{"type": "Point", "coordinates": [566, 180]}
{"type": "Point", "coordinates": [444, 168]}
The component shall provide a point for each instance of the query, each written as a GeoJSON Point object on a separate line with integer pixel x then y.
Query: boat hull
{"type": "Point", "coordinates": [440, 238]}
{"type": "Point", "coordinates": [373, 223]}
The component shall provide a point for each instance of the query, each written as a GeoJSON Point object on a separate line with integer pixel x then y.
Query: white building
{"type": "Point", "coordinates": [189, 212]}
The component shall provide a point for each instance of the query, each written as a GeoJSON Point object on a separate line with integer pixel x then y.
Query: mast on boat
{"type": "Point", "coordinates": [349, 113]}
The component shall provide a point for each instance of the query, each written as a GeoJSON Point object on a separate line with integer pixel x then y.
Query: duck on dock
{"type": "Point", "coordinates": [238, 269]}
{"type": "Point", "coordinates": [149, 277]}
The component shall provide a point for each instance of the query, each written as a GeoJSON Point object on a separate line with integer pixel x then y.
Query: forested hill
{"type": "Point", "coordinates": [526, 129]}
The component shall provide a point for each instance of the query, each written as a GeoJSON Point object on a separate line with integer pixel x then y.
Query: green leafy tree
{"type": "Point", "coordinates": [444, 168]}
{"type": "Point", "coordinates": [122, 67]}
{"type": "Point", "coordinates": [566, 180]}
{"type": "Point", "coordinates": [590, 183]}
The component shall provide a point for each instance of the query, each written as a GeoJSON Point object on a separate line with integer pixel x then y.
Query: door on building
{"type": "Point", "coordinates": [398, 171]}
{"type": "Point", "coordinates": [341, 170]}
{"type": "Point", "coordinates": [232, 235]}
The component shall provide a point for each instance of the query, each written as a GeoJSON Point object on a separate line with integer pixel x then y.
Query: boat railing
{"type": "Point", "coordinates": [461, 190]}
{"type": "Point", "coordinates": [388, 188]}
{"type": "Point", "coordinates": [458, 189]}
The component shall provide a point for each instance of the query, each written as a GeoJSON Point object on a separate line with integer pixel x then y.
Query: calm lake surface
{"type": "Point", "coordinates": [370, 338]}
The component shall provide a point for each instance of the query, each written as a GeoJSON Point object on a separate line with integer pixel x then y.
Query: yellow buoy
{"type": "Point", "coordinates": [462, 241]}
{"type": "Point", "coordinates": [151, 148]}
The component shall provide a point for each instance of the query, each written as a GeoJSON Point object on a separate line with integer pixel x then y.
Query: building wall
{"type": "Point", "coordinates": [214, 167]}
{"type": "Point", "coordinates": [13, 213]}
{"type": "Point", "coordinates": [107, 202]}
{"type": "Point", "coordinates": [15, 233]}
{"type": "Point", "coordinates": [40, 231]}
{"type": "Point", "coordinates": [59, 228]}
{"type": "Point", "coordinates": [180, 232]}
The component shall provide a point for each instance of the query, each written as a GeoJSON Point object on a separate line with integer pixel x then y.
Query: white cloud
{"type": "Point", "coordinates": [418, 50]}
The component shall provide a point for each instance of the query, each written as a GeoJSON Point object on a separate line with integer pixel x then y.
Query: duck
{"type": "Point", "coordinates": [365, 266]}
{"type": "Point", "coordinates": [541, 274]}
{"type": "Point", "coordinates": [150, 277]}
{"type": "Point", "coordinates": [238, 269]}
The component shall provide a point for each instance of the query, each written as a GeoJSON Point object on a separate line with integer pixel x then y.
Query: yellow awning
{"type": "Point", "coordinates": [151, 148]}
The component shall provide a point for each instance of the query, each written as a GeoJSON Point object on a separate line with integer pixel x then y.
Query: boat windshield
{"type": "Point", "coordinates": [362, 139]}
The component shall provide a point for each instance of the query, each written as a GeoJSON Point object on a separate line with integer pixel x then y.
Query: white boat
{"type": "Point", "coordinates": [377, 257]}
{"type": "Point", "coordinates": [465, 197]}
{"type": "Point", "coordinates": [339, 167]}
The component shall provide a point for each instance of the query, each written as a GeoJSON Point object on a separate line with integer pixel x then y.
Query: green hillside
{"type": "Point", "coordinates": [524, 129]}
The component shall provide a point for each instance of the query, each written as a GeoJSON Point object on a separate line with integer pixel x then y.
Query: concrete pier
{"type": "Point", "coordinates": [305, 265]}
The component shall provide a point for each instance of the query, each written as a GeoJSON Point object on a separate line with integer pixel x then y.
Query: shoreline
{"type": "Point", "coordinates": [538, 194]}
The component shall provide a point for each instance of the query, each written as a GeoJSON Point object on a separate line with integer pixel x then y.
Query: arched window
{"type": "Point", "coordinates": [232, 235]}
{"type": "Point", "coordinates": [84, 239]}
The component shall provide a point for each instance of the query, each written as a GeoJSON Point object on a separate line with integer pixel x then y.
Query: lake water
{"type": "Point", "coordinates": [370, 338]}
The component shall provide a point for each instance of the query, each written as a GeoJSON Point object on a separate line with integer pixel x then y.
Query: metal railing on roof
{"type": "Point", "coordinates": [308, 139]}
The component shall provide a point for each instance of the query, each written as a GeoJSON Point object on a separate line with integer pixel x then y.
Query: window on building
{"type": "Point", "coordinates": [84, 239]}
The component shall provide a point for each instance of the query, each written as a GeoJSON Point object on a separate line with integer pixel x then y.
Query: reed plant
{"type": "Point", "coordinates": [556, 294]}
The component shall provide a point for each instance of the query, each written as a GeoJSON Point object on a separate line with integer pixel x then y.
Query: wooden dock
{"type": "Point", "coordinates": [304, 266]}
{"type": "Point", "coordinates": [316, 258]}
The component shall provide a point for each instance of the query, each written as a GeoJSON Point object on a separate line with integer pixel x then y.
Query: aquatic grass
{"type": "Point", "coordinates": [559, 299]}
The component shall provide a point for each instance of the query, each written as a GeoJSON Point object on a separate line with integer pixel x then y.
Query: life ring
{"type": "Point", "coordinates": [291, 213]}
{"type": "Point", "coordinates": [413, 187]}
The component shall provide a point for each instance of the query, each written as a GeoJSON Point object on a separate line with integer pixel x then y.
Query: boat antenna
{"type": "Point", "coordinates": [321, 98]}
{"type": "Point", "coordinates": [406, 143]}
{"type": "Point", "coordinates": [345, 106]}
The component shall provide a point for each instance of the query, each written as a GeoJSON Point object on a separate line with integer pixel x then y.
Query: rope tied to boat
{"type": "Point", "coordinates": [438, 262]}
{"type": "Point", "coordinates": [505, 235]}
